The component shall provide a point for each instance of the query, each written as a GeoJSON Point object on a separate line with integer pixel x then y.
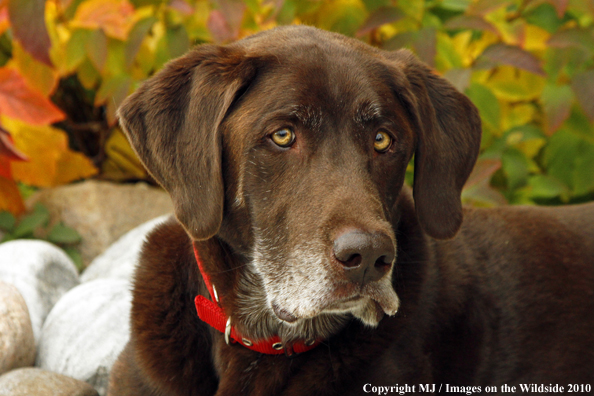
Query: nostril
{"type": "Point", "coordinates": [383, 262]}
{"type": "Point", "coordinates": [353, 260]}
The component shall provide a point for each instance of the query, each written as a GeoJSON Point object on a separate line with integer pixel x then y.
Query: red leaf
{"type": "Point", "coordinates": [380, 17]}
{"type": "Point", "coordinates": [513, 56]}
{"type": "Point", "coordinates": [573, 38]}
{"type": "Point", "coordinates": [19, 101]}
{"type": "Point", "coordinates": [27, 18]}
{"type": "Point", "coordinates": [7, 148]}
{"type": "Point", "coordinates": [225, 22]}
{"type": "Point", "coordinates": [182, 6]}
{"type": "Point", "coordinates": [473, 22]}
{"type": "Point", "coordinates": [560, 6]}
{"type": "Point", "coordinates": [483, 170]}
{"type": "Point", "coordinates": [8, 152]}
{"type": "Point", "coordinates": [583, 86]}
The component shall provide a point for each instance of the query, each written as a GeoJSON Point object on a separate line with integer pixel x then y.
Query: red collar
{"type": "Point", "coordinates": [212, 313]}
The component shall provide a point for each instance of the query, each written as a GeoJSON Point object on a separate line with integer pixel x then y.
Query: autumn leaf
{"type": "Point", "coordinates": [473, 22]}
{"type": "Point", "coordinates": [19, 101]}
{"type": "Point", "coordinates": [557, 101]}
{"type": "Point", "coordinates": [10, 197]}
{"type": "Point", "coordinates": [583, 86]}
{"type": "Point", "coordinates": [380, 17]}
{"type": "Point", "coordinates": [115, 17]}
{"type": "Point", "coordinates": [27, 18]}
{"type": "Point", "coordinates": [4, 21]}
{"type": "Point", "coordinates": [514, 56]}
{"type": "Point", "coordinates": [8, 153]}
{"type": "Point", "coordinates": [51, 161]}
{"type": "Point", "coordinates": [38, 76]}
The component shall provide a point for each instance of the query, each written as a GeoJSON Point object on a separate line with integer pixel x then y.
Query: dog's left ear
{"type": "Point", "coordinates": [447, 144]}
{"type": "Point", "coordinates": [173, 123]}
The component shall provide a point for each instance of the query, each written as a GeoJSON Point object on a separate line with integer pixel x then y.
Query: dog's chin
{"type": "Point", "coordinates": [379, 300]}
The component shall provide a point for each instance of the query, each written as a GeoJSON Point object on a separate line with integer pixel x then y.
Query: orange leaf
{"type": "Point", "coordinates": [38, 75]}
{"type": "Point", "coordinates": [51, 161]}
{"type": "Point", "coordinates": [4, 22]}
{"type": "Point", "coordinates": [113, 16]}
{"type": "Point", "coordinates": [10, 197]}
{"type": "Point", "coordinates": [19, 101]}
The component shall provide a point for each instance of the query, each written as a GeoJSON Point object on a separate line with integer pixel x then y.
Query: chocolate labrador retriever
{"type": "Point", "coordinates": [299, 264]}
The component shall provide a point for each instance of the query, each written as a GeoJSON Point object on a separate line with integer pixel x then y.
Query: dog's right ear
{"type": "Point", "coordinates": [172, 122]}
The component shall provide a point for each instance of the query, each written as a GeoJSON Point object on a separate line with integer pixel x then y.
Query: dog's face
{"type": "Point", "coordinates": [291, 146]}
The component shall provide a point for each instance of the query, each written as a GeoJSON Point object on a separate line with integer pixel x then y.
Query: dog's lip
{"type": "Point", "coordinates": [283, 314]}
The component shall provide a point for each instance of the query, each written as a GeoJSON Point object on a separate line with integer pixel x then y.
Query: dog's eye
{"type": "Point", "coordinates": [283, 137]}
{"type": "Point", "coordinates": [382, 143]}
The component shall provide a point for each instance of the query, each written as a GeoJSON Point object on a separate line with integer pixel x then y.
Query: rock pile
{"type": "Point", "coordinates": [70, 328]}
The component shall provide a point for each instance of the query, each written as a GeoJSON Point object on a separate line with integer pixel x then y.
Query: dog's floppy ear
{"type": "Point", "coordinates": [447, 144]}
{"type": "Point", "coordinates": [172, 122]}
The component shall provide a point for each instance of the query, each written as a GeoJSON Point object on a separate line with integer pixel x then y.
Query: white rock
{"type": "Point", "coordinates": [17, 344]}
{"type": "Point", "coordinates": [120, 259]}
{"type": "Point", "coordinates": [41, 272]}
{"type": "Point", "coordinates": [32, 381]}
{"type": "Point", "coordinates": [86, 330]}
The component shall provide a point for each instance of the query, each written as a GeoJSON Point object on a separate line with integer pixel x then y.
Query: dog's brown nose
{"type": "Point", "coordinates": [366, 257]}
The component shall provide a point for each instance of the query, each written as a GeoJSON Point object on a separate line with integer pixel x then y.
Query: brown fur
{"type": "Point", "coordinates": [485, 297]}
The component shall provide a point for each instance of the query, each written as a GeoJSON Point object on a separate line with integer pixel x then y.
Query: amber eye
{"type": "Point", "coordinates": [283, 137]}
{"type": "Point", "coordinates": [382, 143]}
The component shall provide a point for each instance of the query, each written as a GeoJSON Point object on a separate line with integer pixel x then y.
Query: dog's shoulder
{"type": "Point", "coordinates": [166, 329]}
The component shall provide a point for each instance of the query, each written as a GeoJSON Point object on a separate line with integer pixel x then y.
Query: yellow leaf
{"type": "Point", "coordinates": [516, 115]}
{"type": "Point", "coordinates": [511, 31]}
{"type": "Point", "coordinates": [10, 197]}
{"type": "Point", "coordinates": [38, 75]}
{"type": "Point", "coordinates": [115, 17]}
{"type": "Point", "coordinates": [121, 162]}
{"type": "Point", "coordinates": [535, 38]}
{"type": "Point", "coordinates": [509, 83]}
{"type": "Point", "coordinates": [50, 160]}
{"type": "Point", "coordinates": [73, 166]}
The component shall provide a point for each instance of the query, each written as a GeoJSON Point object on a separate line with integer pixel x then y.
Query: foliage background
{"type": "Point", "coordinates": [528, 65]}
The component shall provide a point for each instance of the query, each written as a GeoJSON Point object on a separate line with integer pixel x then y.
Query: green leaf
{"type": "Point", "coordinates": [545, 186]}
{"type": "Point", "coordinates": [545, 16]}
{"type": "Point", "coordinates": [583, 176]}
{"type": "Point", "coordinates": [96, 48]}
{"type": "Point", "coordinates": [27, 226]}
{"type": "Point", "coordinates": [177, 41]}
{"type": "Point", "coordinates": [75, 48]}
{"type": "Point", "coordinates": [61, 234]}
{"type": "Point", "coordinates": [583, 86]}
{"type": "Point", "coordinates": [136, 36]}
{"type": "Point", "coordinates": [7, 221]}
{"type": "Point", "coordinates": [515, 165]}
{"type": "Point", "coordinates": [455, 5]}
{"type": "Point", "coordinates": [560, 154]}
{"type": "Point", "coordinates": [487, 103]}
{"type": "Point", "coordinates": [556, 101]}
{"type": "Point", "coordinates": [76, 257]}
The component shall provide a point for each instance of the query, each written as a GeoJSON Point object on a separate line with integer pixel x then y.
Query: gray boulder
{"type": "Point", "coordinates": [17, 345]}
{"type": "Point", "coordinates": [120, 259]}
{"type": "Point", "coordinates": [34, 381]}
{"type": "Point", "coordinates": [41, 272]}
{"type": "Point", "coordinates": [86, 330]}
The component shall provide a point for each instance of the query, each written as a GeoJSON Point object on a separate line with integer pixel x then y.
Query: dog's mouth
{"type": "Point", "coordinates": [369, 304]}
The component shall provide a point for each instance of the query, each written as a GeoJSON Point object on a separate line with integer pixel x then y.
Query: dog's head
{"type": "Point", "coordinates": [292, 146]}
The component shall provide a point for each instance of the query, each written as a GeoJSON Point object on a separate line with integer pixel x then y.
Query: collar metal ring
{"type": "Point", "coordinates": [228, 330]}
